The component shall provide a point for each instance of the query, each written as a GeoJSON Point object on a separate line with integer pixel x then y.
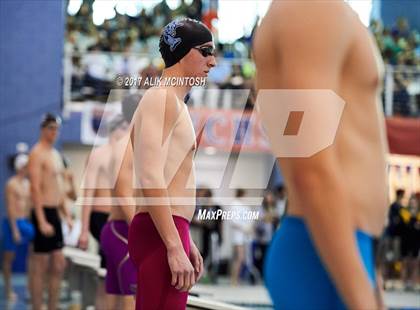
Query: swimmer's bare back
{"type": "Point", "coordinates": [354, 72]}
{"type": "Point", "coordinates": [97, 179]}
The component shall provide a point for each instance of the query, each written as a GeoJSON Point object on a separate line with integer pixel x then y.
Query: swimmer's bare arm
{"type": "Point", "coordinates": [71, 193]}
{"type": "Point", "coordinates": [90, 178]}
{"type": "Point", "coordinates": [67, 214]}
{"type": "Point", "coordinates": [311, 41]}
{"type": "Point", "coordinates": [153, 126]}
{"type": "Point", "coordinates": [35, 177]}
{"type": "Point", "coordinates": [323, 196]}
{"type": "Point", "coordinates": [11, 207]}
{"type": "Point", "coordinates": [62, 206]}
{"type": "Point", "coordinates": [124, 185]}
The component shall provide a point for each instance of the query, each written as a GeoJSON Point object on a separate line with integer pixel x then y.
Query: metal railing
{"type": "Point", "coordinates": [401, 92]}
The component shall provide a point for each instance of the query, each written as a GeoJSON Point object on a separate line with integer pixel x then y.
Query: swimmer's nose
{"type": "Point", "coordinates": [212, 63]}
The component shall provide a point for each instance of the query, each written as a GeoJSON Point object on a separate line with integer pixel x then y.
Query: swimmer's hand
{"type": "Point", "coordinates": [182, 271]}
{"type": "Point", "coordinates": [83, 241]}
{"type": "Point", "coordinates": [46, 229]}
{"type": "Point", "coordinates": [197, 261]}
{"type": "Point", "coordinates": [69, 222]}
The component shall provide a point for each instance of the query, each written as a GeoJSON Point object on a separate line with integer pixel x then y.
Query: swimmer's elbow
{"type": "Point", "coordinates": [316, 180]}
{"type": "Point", "coordinates": [152, 180]}
{"type": "Point", "coordinates": [34, 190]}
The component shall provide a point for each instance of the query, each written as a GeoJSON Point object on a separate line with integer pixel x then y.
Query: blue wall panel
{"type": "Point", "coordinates": [31, 48]}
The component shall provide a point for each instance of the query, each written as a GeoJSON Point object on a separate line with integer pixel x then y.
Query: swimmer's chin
{"type": "Point", "coordinates": [204, 74]}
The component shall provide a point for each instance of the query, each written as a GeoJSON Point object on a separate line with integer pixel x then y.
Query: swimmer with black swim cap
{"type": "Point", "coordinates": [163, 139]}
{"type": "Point", "coordinates": [180, 36]}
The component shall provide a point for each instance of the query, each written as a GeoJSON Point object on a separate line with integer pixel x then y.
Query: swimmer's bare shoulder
{"type": "Point", "coordinates": [159, 99]}
{"type": "Point", "coordinates": [290, 17]}
{"type": "Point", "coordinates": [11, 184]}
{"type": "Point", "coordinates": [300, 36]}
{"type": "Point", "coordinates": [35, 160]}
{"type": "Point", "coordinates": [156, 115]}
{"type": "Point", "coordinates": [36, 150]}
{"type": "Point", "coordinates": [154, 122]}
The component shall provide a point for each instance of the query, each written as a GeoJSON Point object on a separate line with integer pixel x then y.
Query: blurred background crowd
{"type": "Point", "coordinates": [127, 46]}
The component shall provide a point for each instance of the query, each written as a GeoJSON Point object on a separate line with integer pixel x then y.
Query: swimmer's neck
{"type": "Point", "coordinates": [45, 143]}
{"type": "Point", "coordinates": [20, 175]}
{"type": "Point", "coordinates": [173, 72]}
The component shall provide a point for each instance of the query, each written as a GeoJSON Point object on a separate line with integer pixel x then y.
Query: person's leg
{"type": "Point", "coordinates": [40, 265]}
{"type": "Point", "coordinates": [108, 246]}
{"type": "Point", "coordinates": [125, 272]}
{"type": "Point", "coordinates": [27, 231]}
{"type": "Point", "coordinates": [237, 263]}
{"type": "Point", "coordinates": [405, 270]}
{"type": "Point", "coordinates": [111, 302]}
{"type": "Point", "coordinates": [153, 273]}
{"type": "Point", "coordinates": [97, 222]}
{"type": "Point", "coordinates": [127, 303]}
{"type": "Point", "coordinates": [264, 253]}
{"type": "Point", "coordinates": [206, 241]}
{"type": "Point", "coordinates": [137, 298]}
{"type": "Point", "coordinates": [8, 258]}
{"type": "Point", "coordinates": [58, 265]}
{"type": "Point", "coordinates": [148, 251]}
{"type": "Point", "coordinates": [257, 255]}
{"type": "Point", "coordinates": [100, 294]}
{"type": "Point", "coordinates": [9, 249]}
{"type": "Point", "coordinates": [30, 266]}
{"type": "Point", "coordinates": [413, 275]}
{"type": "Point", "coordinates": [417, 272]}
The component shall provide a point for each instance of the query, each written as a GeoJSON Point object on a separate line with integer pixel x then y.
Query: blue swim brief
{"type": "Point", "coordinates": [26, 230]}
{"type": "Point", "coordinates": [294, 274]}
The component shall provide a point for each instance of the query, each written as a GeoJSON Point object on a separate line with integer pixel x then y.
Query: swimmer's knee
{"type": "Point", "coordinates": [58, 268]}
{"type": "Point", "coordinates": [58, 264]}
{"type": "Point", "coordinates": [8, 258]}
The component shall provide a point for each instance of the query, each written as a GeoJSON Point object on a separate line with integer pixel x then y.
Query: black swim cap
{"type": "Point", "coordinates": [179, 36]}
{"type": "Point", "coordinates": [49, 118]}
